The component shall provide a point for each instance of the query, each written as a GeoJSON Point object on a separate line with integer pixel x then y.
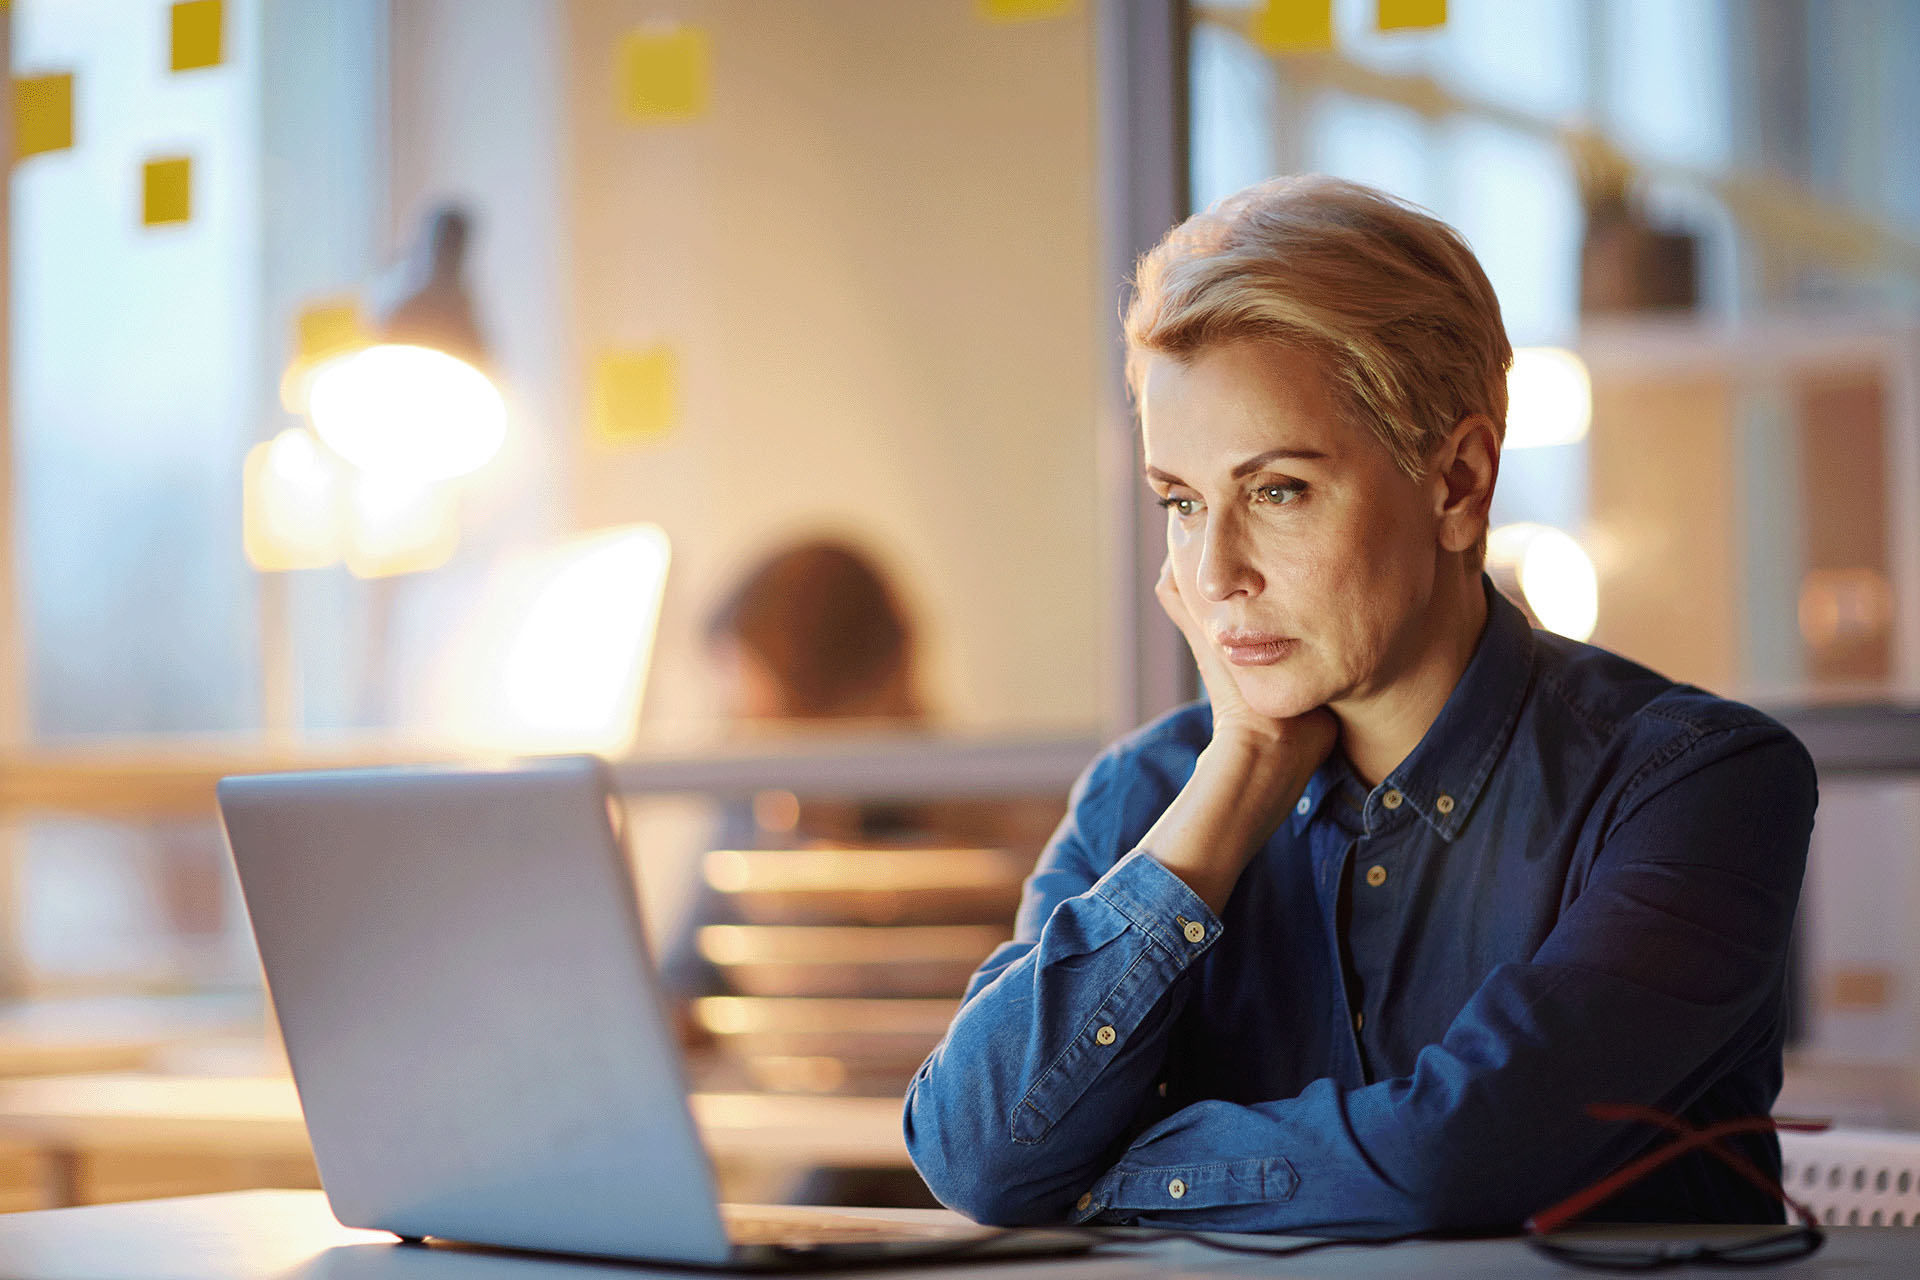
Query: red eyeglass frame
{"type": "Point", "coordinates": [1687, 1138]}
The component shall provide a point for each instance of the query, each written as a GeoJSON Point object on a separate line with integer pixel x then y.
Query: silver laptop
{"type": "Point", "coordinates": [477, 1034]}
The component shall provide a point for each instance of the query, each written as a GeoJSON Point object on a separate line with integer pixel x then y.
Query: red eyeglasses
{"type": "Point", "coordinates": [1645, 1255]}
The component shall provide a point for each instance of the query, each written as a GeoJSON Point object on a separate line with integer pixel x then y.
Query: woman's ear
{"type": "Point", "coordinates": [1465, 467]}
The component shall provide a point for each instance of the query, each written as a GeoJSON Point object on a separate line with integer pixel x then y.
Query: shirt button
{"type": "Point", "coordinates": [1359, 1021]}
{"type": "Point", "coordinates": [1104, 1035]}
{"type": "Point", "coordinates": [1391, 799]}
{"type": "Point", "coordinates": [1084, 1203]}
{"type": "Point", "coordinates": [1163, 1088]}
{"type": "Point", "coordinates": [1195, 931]}
{"type": "Point", "coordinates": [1376, 875]}
{"type": "Point", "coordinates": [1304, 805]}
{"type": "Point", "coordinates": [1444, 804]}
{"type": "Point", "coordinates": [1176, 1188]}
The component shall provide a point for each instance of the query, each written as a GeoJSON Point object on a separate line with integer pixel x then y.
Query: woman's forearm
{"type": "Point", "coordinates": [1237, 796]}
{"type": "Point", "coordinates": [1058, 1049]}
{"type": "Point", "coordinates": [1060, 1046]}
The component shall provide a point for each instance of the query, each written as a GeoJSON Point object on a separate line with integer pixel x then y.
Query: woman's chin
{"type": "Point", "coordinates": [1277, 697]}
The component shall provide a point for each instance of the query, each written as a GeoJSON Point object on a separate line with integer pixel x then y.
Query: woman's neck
{"type": "Point", "coordinates": [1381, 729]}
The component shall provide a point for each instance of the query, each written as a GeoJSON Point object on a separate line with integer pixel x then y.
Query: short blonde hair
{"type": "Point", "coordinates": [1389, 297]}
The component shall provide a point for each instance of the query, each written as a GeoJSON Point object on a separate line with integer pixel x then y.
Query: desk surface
{"type": "Point", "coordinates": [291, 1235]}
{"type": "Point", "coordinates": [260, 1115]}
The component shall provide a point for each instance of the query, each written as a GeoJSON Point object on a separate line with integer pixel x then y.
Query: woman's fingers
{"type": "Point", "coordinates": [1168, 593]}
{"type": "Point", "coordinates": [1222, 691]}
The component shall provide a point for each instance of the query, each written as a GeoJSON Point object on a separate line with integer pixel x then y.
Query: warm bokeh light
{"type": "Point", "coordinates": [579, 661]}
{"type": "Point", "coordinates": [407, 413]}
{"type": "Point", "coordinates": [291, 498]}
{"type": "Point", "coordinates": [1555, 574]}
{"type": "Point", "coordinates": [296, 385]}
{"type": "Point", "coordinates": [557, 658]}
{"type": "Point", "coordinates": [1841, 606]}
{"type": "Point", "coordinates": [396, 526]}
{"type": "Point", "coordinates": [1549, 398]}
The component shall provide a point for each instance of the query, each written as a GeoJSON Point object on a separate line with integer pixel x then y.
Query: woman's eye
{"type": "Point", "coordinates": [1278, 494]}
{"type": "Point", "coordinates": [1182, 507]}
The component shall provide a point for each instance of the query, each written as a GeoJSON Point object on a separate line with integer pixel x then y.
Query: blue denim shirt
{"type": "Point", "coordinates": [1578, 887]}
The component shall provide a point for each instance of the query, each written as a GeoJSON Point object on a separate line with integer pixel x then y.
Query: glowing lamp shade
{"type": "Point", "coordinates": [556, 657]}
{"type": "Point", "coordinates": [1549, 398]}
{"type": "Point", "coordinates": [1556, 576]}
{"type": "Point", "coordinates": [407, 413]}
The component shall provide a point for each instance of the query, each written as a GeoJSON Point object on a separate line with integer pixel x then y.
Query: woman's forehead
{"type": "Point", "coordinates": [1211, 411]}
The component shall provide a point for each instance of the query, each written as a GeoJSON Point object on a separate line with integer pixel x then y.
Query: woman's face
{"type": "Point", "coordinates": [1303, 553]}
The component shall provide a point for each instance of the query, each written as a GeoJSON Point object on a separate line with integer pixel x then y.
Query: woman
{"type": "Point", "coordinates": [1348, 946]}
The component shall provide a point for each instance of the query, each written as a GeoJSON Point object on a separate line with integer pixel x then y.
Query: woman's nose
{"type": "Point", "coordinates": [1225, 569]}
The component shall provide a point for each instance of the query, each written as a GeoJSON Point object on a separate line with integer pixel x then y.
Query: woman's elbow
{"type": "Point", "coordinates": [973, 1174]}
{"type": "Point", "coordinates": [980, 1199]}
{"type": "Point", "coordinates": [990, 1201]}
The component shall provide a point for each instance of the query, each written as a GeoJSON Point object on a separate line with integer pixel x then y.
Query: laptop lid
{"type": "Point", "coordinates": [479, 1045]}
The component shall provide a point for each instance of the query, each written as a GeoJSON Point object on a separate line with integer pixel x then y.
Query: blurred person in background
{"type": "Point", "coordinates": [1349, 946]}
{"type": "Point", "coordinates": [815, 634]}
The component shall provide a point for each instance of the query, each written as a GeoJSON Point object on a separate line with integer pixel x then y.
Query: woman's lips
{"type": "Point", "coordinates": [1256, 651]}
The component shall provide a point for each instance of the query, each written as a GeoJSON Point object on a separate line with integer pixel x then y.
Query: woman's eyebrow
{"type": "Point", "coordinates": [1260, 460]}
{"type": "Point", "coordinates": [1246, 468]}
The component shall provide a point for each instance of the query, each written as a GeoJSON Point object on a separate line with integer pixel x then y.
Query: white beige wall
{"type": "Point", "coordinates": [876, 257]}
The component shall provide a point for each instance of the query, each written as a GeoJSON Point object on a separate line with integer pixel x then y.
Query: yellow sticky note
{"type": "Point", "coordinates": [196, 34]}
{"type": "Point", "coordinates": [324, 328]}
{"type": "Point", "coordinates": [42, 114]}
{"type": "Point", "coordinates": [664, 75]}
{"type": "Point", "coordinates": [168, 191]}
{"type": "Point", "coordinates": [636, 396]}
{"type": "Point", "coordinates": [1293, 26]}
{"type": "Point", "coordinates": [1401, 15]}
{"type": "Point", "coordinates": [1024, 10]}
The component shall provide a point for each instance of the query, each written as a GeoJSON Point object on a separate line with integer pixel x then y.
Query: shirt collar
{"type": "Point", "coordinates": [1447, 771]}
{"type": "Point", "coordinates": [1322, 789]}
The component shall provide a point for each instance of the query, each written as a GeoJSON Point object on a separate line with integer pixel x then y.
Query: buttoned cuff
{"type": "Point", "coordinates": [1100, 1006]}
{"type": "Point", "coordinates": [1122, 1195]}
{"type": "Point", "coordinates": [1159, 904]}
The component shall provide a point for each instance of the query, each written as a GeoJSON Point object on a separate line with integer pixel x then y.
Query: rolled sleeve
{"type": "Point", "coordinates": [1104, 1003]}
{"type": "Point", "coordinates": [1160, 905]}
{"type": "Point", "coordinates": [1061, 1038]}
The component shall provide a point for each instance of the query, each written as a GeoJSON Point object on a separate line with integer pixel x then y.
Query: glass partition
{"type": "Point", "coordinates": [739, 281]}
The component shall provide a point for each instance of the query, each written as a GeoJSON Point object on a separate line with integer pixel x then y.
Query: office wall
{"type": "Point", "coordinates": [874, 256]}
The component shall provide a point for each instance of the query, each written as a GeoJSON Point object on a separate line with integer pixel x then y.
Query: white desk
{"type": "Point", "coordinates": [290, 1235]}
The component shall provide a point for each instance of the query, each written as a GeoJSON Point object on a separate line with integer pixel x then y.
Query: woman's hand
{"type": "Point", "coordinates": [1251, 772]}
{"type": "Point", "coordinates": [1308, 737]}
